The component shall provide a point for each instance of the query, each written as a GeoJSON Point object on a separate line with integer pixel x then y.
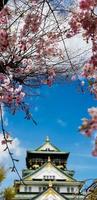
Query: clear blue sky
{"type": "Point", "coordinates": [58, 111]}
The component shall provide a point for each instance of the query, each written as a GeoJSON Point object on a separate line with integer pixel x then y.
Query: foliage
{"type": "Point", "coordinates": [2, 174]}
{"type": "Point", "coordinates": [9, 193]}
{"type": "Point", "coordinates": [92, 195]}
{"type": "Point", "coordinates": [92, 191]}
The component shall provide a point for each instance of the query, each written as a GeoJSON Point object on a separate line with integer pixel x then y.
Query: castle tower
{"type": "Point", "coordinates": [47, 177]}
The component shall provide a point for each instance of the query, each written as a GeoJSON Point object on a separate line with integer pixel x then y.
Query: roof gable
{"type": "Point", "coordinates": [50, 194]}
{"type": "Point", "coordinates": [47, 146]}
{"type": "Point", "coordinates": [49, 171]}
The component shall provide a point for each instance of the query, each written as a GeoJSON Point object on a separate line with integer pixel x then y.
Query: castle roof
{"type": "Point", "coordinates": [47, 147]}
{"type": "Point", "coordinates": [50, 194]}
{"type": "Point", "coordinates": [48, 169]}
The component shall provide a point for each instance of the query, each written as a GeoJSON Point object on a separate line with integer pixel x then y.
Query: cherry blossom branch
{"type": "Point", "coordinates": [6, 142]}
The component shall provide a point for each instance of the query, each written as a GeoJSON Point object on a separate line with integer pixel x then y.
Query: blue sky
{"type": "Point", "coordinates": [58, 111]}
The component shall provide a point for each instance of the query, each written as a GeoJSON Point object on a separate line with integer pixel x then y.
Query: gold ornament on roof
{"type": "Point", "coordinates": [47, 139]}
{"type": "Point", "coordinates": [49, 159]}
{"type": "Point", "coordinates": [50, 183]}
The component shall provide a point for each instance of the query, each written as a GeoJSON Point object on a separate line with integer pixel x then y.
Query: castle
{"type": "Point", "coordinates": [47, 177]}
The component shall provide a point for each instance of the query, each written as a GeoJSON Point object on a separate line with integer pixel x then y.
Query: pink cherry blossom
{"type": "Point", "coordinates": [85, 5]}
{"type": "Point", "coordinates": [3, 40]}
{"type": "Point", "coordinates": [94, 152]}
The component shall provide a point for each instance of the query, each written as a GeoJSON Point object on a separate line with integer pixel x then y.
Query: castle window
{"type": "Point", "coordinates": [40, 189]}
{"type": "Point", "coordinates": [44, 188]}
{"type": "Point", "coordinates": [49, 177]}
{"type": "Point", "coordinates": [52, 177]}
{"type": "Point", "coordinates": [72, 190]}
{"type": "Point", "coordinates": [58, 189]}
{"type": "Point", "coordinates": [68, 189]}
{"type": "Point", "coordinates": [47, 149]}
{"type": "Point", "coordinates": [30, 189]}
{"type": "Point", "coordinates": [45, 177]}
{"type": "Point", "coordinates": [25, 188]}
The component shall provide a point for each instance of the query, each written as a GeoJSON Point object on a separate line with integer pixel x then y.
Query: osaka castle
{"type": "Point", "coordinates": [46, 176]}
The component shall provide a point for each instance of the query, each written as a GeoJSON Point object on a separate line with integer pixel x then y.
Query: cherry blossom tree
{"type": "Point", "coordinates": [33, 52]}
{"type": "Point", "coordinates": [29, 55]}
{"type": "Point", "coordinates": [84, 20]}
